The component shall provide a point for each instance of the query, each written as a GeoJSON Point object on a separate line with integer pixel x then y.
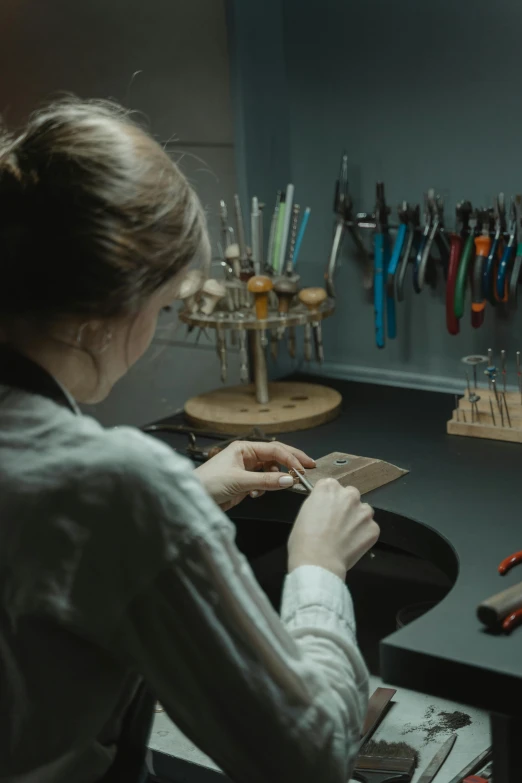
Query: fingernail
{"type": "Point", "coordinates": [254, 493]}
{"type": "Point", "coordinates": [286, 481]}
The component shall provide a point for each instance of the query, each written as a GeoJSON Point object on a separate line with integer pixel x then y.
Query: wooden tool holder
{"type": "Point", "coordinates": [364, 473]}
{"type": "Point", "coordinates": [478, 422]}
{"type": "Point", "coordinates": [275, 407]}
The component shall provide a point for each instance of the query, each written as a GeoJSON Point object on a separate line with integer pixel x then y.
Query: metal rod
{"type": "Point", "coordinates": [259, 367]}
{"type": "Point", "coordinates": [507, 410]}
{"type": "Point", "coordinates": [503, 366]}
{"type": "Point", "coordinates": [273, 228]}
{"type": "Point", "coordinates": [240, 230]}
{"type": "Point", "coordinates": [457, 406]}
{"type": "Point", "coordinates": [492, 412]}
{"type": "Point", "coordinates": [304, 481]}
{"type": "Point", "coordinates": [467, 383]}
{"type": "Point", "coordinates": [254, 229]}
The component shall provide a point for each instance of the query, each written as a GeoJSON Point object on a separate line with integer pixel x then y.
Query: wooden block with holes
{"type": "Point", "coordinates": [364, 473]}
{"type": "Point", "coordinates": [485, 420]}
{"type": "Point", "coordinates": [292, 406]}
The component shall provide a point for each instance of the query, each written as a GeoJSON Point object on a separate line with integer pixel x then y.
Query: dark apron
{"type": "Point", "coordinates": [21, 373]}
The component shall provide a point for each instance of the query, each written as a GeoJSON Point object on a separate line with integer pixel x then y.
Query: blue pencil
{"type": "Point", "coordinates": [300, 235]}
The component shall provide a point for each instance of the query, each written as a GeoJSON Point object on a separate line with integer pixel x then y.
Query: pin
{"type": "Point", "coordinates": [492, 412]}
{"type": "Point", "coordinates": [503, 366]}
{"type": "Point", "coordinates": [507, 410]}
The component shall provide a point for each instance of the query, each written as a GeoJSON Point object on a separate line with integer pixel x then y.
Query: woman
{"type": "Point", "coordinates": [117, 564]}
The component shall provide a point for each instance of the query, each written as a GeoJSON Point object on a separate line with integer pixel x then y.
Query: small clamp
{"type": "Point", "coordinates": [517, 263]}
{"type": "Point", "coordinates": [489, 277]}
{"type": "Point", "coordinates": [381, 257]}
{"type": "Point", "coordinates": [463, 212]}
{"type": "Point", "coordinates": [482, 248]}
{"type": "Point", "coordinates": [411, 215]}
{"type": "Point", "coordinates": [462, 273]}
{"type": "Point", "coordinates": [506, 256]}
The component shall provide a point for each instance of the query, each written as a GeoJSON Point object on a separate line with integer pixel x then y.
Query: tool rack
{"type": "Point", "coordinates": [259, 303]}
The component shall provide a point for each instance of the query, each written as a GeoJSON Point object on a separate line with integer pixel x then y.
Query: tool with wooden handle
{"type": "Point", "coordinates": [260, 286]}
{"type": "Point", "coordinates": [313, 298]}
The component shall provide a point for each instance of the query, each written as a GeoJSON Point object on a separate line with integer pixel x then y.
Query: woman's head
{"type": "Point", "coordinates": [96, 223]}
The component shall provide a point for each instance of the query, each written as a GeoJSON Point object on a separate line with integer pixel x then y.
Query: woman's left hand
{"type": "Point", "coordinates": [245, 468]}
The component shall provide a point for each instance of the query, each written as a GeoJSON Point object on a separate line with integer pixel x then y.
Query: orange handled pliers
{"type": "Point", "coordinates": [515, 617]}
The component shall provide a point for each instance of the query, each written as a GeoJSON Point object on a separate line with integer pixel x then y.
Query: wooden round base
{"type": "Point", "coordinates": [292, 406]}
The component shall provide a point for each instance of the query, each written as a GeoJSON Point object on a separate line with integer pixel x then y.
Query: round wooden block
{"type": "Point", "coordinates": [292, 406]}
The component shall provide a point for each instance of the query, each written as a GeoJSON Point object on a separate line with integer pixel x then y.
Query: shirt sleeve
{"type": "Point", "coordinates": [268, 698]}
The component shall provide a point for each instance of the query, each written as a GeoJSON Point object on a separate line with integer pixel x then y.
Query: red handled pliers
{"type": "Point", "coordinates": [515, 617]}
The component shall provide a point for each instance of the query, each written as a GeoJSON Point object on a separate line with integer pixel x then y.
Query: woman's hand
{"type": "Point", "coordinates": [245, 468]}
{"type": "Point", "coordinates": [333, 529]}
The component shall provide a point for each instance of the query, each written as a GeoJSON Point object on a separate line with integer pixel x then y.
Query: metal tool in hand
{"type": "Point", "coordinates": [462, 212]}
{"type": "Point", "coordinates": [302, 479]}
{"type": "Point", "coordinates": [490, 267]}
{"type": "Point", "coordinates": [483, 244]}
{"type": "Point", "coordinates": [433, 214]}
{"type": "Point", "coordinates": [437, 761]}
{"type": "Point", "coordinates": [517, 263]}
{"type": "Point", "coordinates": [411, 215]}
{"type": "Point", "coordinates": [505, 261]}
{"type": "Point", "coordinates": [464, 264]}
{"type": "Point", "coordinates": [381, 250]}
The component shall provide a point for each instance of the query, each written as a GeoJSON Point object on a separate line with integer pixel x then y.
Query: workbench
{"type": "Point", "coordinates": [459, 508]}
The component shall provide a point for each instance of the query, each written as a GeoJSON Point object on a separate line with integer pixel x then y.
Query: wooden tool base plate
{"type": "Point", "coordinates": [292, 406]}
{"type": "Point", "coordinates": [479, 423]}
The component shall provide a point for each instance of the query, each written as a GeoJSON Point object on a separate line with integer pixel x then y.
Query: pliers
{"type": "Point", "coordinates": [411, 216]}
{"type": "Point", "coordinates": [483, 244]}
{"type": "Point", "coordinates": [489, 277]}
{"type": "Point", "coordinates": [462, 273]}
{"type": "Point", "coordinates": [514, 618]}
{"type": "Point", "coordinates": [381, 261]}
{"type": "Point", "coordinates": [417, 280]}
{"type": "Point", "coordinates": [341, 199]}
{"type": "Point", "coordinates": [506, 256]}
{"type": "Point", "coordinates": [463, 212]}
{"type": "Point", "coordinates": [398, 247]}
{"type": "Point", "coordinates": [517, 263]}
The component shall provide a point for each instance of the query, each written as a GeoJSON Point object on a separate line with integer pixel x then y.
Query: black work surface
{"type": "Point", "coordinates": [459, 506]}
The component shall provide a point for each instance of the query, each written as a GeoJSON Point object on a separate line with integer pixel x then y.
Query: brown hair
{"type": "Point", "coordinates": [94, 215]}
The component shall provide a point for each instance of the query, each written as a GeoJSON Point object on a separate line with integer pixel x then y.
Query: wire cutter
{"type": "Point", "coordinates": [462, 213]}
{"type": "Point", "coordinates": [489, 277]}
{"type": "Point", "coordinates": [423, 241]}
{"type": "Point", "coordinates": [506, 256]}
{"type": "Point", "coordinates": [482, 248]}
{"type": "Point", "coordinates": [411, 215]}
{"type": "Point", "coordinates": [381, 260]}
{"type": "Point", "coordinates": [462, 272]}
{"type": "Point", "coordinates": [517, 263]}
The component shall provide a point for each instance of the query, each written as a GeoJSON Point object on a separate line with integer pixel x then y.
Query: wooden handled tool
{"type": "Point", "coordinates": [259, 285]}
{"type": "Point", "coordinates": [285, 289]}
{"type": "Point", "coordinates": [377, 708]}
{"type": "Point", "coordinates": [313, 298]}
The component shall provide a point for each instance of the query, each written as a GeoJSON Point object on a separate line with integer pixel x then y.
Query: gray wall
{"type": "Point", "coordinates": [421, 95]}
{"type": "Point", "coordinates": [168, 59]}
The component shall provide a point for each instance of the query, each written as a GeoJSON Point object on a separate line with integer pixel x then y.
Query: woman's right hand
{"type": "Point", "coordinates": [333, 529]}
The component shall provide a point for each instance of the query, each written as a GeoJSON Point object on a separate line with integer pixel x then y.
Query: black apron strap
{"type": "Point", "coordinates": [19, 372]}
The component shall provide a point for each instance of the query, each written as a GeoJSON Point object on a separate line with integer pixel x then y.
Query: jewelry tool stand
{"type": "Point", "coordinates": [280, 406]}
{"type": "Point", "coordinates": [489, 412]}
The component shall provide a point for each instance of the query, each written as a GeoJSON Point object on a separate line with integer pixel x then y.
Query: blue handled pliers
{"type": "Point", "coordinates": [506, 257]}
{"type": "Point", "coordinates": [381, 261]}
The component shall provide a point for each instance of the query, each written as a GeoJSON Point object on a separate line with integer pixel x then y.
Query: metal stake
{"type": "Point", "coordinates": [492, 412]}
{"type": "Point", "coordinates": [507, 410]}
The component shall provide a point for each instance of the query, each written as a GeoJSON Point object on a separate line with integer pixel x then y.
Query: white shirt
{"type": "Point", "coordinates": [116, 565]}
